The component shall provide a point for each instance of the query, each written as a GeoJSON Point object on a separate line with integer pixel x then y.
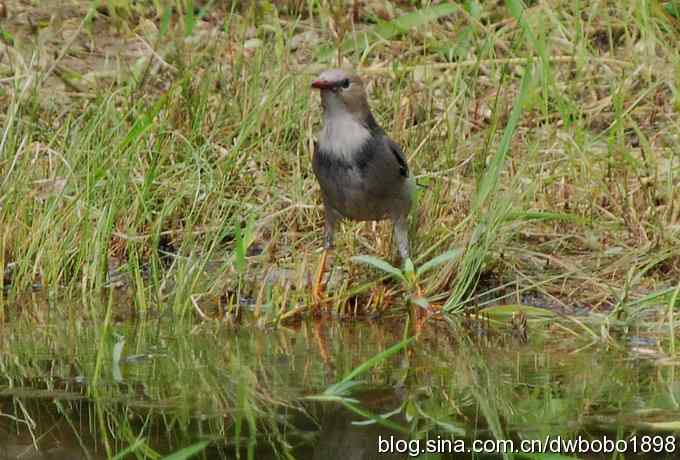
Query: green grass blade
{"type": "Point", "coordinates": [489, 209]}
{"type": "Point", "coordinates": [375, 418]}
{"type": "Point", "coordinates": [506, 311]}
{"type": "Point", "coordinates": [380, 265]}
{"type": "Point", "coordinates": [545, 216]}
{"type": "Point", "coordinates": [143, 124]}
{"type": "Point", "coordinates": [129, 450]}
{"type": "Point", "coordinates": [337, 389]}
{"type": "Point", "coordinates": [489, 183]}
{"type": "Point", "coordinates": [447, 256]}
{"type": "Point", "coordinates": [187, 452]}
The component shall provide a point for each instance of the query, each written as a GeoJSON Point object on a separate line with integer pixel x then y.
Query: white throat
{"type": "Point", "coordinates": [343, 135]}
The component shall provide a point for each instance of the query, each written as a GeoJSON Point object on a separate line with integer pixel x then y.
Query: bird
{"type": "Point", "coordinates": [363, 174]}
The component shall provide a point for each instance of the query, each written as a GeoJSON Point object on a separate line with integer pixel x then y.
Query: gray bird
{"type": "Point", "coordinates": [363, 174]}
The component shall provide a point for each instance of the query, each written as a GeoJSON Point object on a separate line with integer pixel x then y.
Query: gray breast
{"type": "Point", "coordinates": [369, 184]}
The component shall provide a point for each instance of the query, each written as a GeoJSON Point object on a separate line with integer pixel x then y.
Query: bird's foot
{"type": "Point", "coordinates": [418, 289]}
{"type": "Point", "coordinates": [422, 309]}
{"type": "Point", "coordinates": [318, 295]}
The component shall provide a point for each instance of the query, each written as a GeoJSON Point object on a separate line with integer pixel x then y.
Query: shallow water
{"type": "Point", "coordinates": [72, 390]}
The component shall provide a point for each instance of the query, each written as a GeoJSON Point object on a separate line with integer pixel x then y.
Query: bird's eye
{"type": "Point", "coordinates": [345, 83]}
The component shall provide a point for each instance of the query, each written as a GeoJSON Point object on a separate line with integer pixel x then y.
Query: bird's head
{"type": "Point", "coordinates": [342, 91]}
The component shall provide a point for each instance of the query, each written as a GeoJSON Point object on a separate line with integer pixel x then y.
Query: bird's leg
{"type": "Point", "coordinates": [401, 235]}
{"type": "Point", "coordinates": [329, 229]}
{"type": "Point", "coordinates": [318, 288]}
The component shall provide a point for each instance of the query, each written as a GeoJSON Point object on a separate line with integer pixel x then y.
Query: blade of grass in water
{"type": "Point", "coordinates": [187, 452]}
{"type": "Point", "coordinates": [130, 449]}
{"type": "Point", "coordinates": [547, 456]}
{"type": "Point", "coordinates": [506, 311]}
{"type": "Point", "coordinates": [375, 418]}
{"type": "Point", "coordinates": [347, 382]}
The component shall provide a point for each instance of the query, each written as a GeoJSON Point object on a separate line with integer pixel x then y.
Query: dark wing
{"type": "Point", "coordinates": [399, 155]}
{"type": "Point", "coordinates": [315, 158]}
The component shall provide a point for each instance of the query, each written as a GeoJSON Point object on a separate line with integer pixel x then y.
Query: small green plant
{"type": "Point", "coordinates": [409, 275]}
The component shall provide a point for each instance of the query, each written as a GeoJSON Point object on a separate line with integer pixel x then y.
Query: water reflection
{"type": "Point", "coordinates": [91, 393]}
